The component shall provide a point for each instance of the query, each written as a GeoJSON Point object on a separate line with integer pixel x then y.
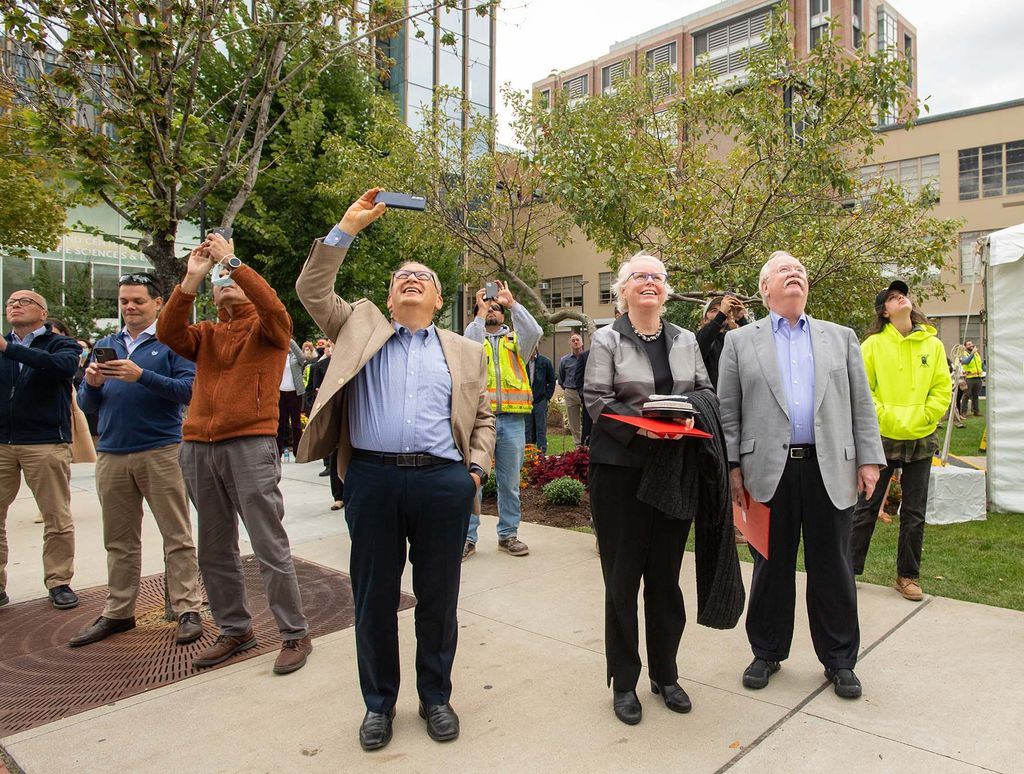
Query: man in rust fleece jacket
{"type": "Point", "coordinates": [229, 455]}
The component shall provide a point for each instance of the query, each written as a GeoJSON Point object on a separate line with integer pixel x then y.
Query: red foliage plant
{"type": "Point", "coordinates": [573, 463]}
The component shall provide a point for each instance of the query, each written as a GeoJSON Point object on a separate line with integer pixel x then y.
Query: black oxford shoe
{"type": "Point", "coordinates": [759, 672]}
{"type": "Point", "coordinates": [100, 629]}
{"type": "Point", "coordinates": [63, 598]}
{"type": "Point", "coordinates": [375, 731]}
{"type": "Point", "coordinates": [844, 682]}
{"type": "Point", "coordinates": [674, 696]}
{"type": "Point", "coordinates": [627, 707]}
{"type": "Point", "coordinates": [442, 722]}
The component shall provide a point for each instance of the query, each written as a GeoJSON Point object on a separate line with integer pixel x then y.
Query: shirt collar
{"type": "Point", "coordinates": [151, 330]}
{"type": "Point", "coordinates": [29, 336]}
{"type": "Point", "coordinates": [428, 332]}
{"type": "Point", "coordinates": [777, 321]}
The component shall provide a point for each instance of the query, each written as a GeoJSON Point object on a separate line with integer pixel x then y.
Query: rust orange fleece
{"type": "Point", "coordinates": [239, 360]}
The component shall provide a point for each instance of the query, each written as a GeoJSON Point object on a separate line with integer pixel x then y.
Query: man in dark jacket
{"type": "Point", "coordinates": [723, 314]}
{"type": "Point", "coordinates": [542, 382]}
{"type": "Point", "coordinates": [36, 369]}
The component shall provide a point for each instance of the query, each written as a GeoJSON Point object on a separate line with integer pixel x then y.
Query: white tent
{"type": "Point", "coordinates": [1004, 304]}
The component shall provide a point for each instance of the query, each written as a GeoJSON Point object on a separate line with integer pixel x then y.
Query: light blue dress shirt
{"type": "Point", "coordinates": [27, 341]}
{"type": "Point", "coordinates": [796, 370]}
{"type": "Point", "coordinates": [401, 400]}
{"type": "Point", "coordinates": [338, 238]}
{"type": "Point", "coordinates": [130, 344]}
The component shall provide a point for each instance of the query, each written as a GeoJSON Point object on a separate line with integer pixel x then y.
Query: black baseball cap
{"type": "Point", "coordinates": [897, 285]}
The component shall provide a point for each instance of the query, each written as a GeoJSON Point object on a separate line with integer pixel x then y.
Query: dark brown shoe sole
{"type": "Point", "coordinates": [190, 638]}
{"type": "Point", "coordinates": [203, 663]}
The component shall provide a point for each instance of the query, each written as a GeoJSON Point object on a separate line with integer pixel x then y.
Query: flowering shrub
{"type": "Point", "coordinates": [564, 491]}
{"type": "Point", "coordinates": [572, 464]}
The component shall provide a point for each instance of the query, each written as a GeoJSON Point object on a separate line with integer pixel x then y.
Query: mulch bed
{"type": "Point", "coordinates": [538, 510]}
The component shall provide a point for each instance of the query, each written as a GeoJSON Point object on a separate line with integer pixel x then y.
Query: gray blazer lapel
{"type": "Point", "coordinates": [764, 345]}
{"type": "Point", "coordinates": [819, 351]}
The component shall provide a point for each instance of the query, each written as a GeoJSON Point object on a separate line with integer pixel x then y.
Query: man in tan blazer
{"type": "Point", "coordinates": [405, 406]}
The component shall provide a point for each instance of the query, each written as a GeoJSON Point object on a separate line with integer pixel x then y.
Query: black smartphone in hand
{"type": "Point", "coordinates": [104, 354]}
{"type": "Point", "coordinates": [401, 201]}
{"type": "Point", "coordinates": [224, 231]}
{"type": "Point", "coordinates": [490, 291]}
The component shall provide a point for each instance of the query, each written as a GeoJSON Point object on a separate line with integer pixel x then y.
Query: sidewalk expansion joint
{"type": "Point", "coordinates": [817, 692]}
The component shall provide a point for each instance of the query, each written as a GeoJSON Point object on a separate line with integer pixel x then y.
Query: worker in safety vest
{"type": "Point", "coordinates": [508, 386]}
{"type": "Point", "coordinates": [973, 374]}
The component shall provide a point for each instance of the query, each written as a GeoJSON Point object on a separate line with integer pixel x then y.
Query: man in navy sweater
{"type": "Point", "coordinates": [139, 397]}
{"type": "Point", "coordinates": [36, 368]}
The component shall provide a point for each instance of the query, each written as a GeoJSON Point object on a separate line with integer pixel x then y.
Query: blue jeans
{"type": "Point", "coordinates": [508, 460]}
{"type": "Point", "coordinates": [537, 426]}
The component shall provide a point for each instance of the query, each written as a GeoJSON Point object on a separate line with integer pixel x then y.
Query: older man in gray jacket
{"type": "Point", "coordinates": [802, 436]}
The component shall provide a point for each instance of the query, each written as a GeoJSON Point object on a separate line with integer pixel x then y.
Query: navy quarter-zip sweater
{"type": "Point", "coordinates": [39, 394]}
{"type": "Point", "coordinates": [142, 415]}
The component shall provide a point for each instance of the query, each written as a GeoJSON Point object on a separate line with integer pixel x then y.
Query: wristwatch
{"type": "Point", "coordinates": [233, 263]}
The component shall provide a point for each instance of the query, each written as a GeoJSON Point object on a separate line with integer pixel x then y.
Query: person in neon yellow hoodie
{"type": "Point", "coordinates": [910, 383]}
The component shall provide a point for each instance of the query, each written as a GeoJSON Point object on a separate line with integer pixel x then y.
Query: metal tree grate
{"type": "Point", "coordinates": [43, 680]}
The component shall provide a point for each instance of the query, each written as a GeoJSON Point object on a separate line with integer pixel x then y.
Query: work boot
{"type": "Point", "coordinates": [224, 648]}
{"type": "Point", "coordinates": [293, 655]}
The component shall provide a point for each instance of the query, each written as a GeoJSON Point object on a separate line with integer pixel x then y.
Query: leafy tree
{"type": "Point", "coordinates": [156, 104]}
{"type": "Point", "coordinates": [34, 197]}
{"type": "Point", "coordinates": [720, 176]}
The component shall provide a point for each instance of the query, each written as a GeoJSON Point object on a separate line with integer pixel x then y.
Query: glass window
{"type": "Point", "coordinates": [1015, 167]}
{"type": "Point", "coordinates": [420, 97]}
{"type": "Point", "coordinates": [480, 26]}
{"type": "Point", "coordinates": [480, 73]}
{"type": "Point", "coordinates": [17, 275]}
{"type": "Point", "coordinates": [562, 291]}
{"type": "Point", "coordinates": [450, 19]}
{"type": "Point", "coordinates": [725, 48]}
{"type": "Point", "coordinates": [420, 59]}
{"type": "Point", "coordinates": [968, 260]}
{"type": "Point", "coordinates": [450, 69]}
{"type": "Point", "coordinates": [604, 283]}
{"type": "Point", "coordinates": [545, 99]}
{"type": "Point", "coordinates": [578, 87]}
{"type": "Point", "coordinates": [992, 170]}
{"type": "Point", "coordinates": [968, 174]}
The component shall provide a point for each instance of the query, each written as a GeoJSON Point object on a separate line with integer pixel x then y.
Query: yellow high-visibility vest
{"type": "Point", "coordinates": [973, 368]}
{"type": "Point", "coordinates": [516, 394]}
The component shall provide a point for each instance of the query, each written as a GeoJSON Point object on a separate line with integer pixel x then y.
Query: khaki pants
{"type": "Point", "coordinates": [574, 412]}
{"type": "Point", "coordinates": [122, 481]}
{"type": "Point", "coordinates": [47, 468]}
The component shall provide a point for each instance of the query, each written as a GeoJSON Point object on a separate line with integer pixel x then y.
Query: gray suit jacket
{"type": "Point", "coordinates": [755, 414]}
{"type": "Point", "coordinates": [359, 330]}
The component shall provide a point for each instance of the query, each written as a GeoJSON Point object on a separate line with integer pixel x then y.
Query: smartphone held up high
{"type": "Point", "coordinates": [401, 201]}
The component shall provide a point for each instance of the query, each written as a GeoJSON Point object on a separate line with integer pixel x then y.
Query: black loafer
{"type": "Point", "coordinates": [63, 598]}
{"type": "Point", "coordinates": [674, 696]}
{"type": "Point", "coordinates": [100, 629]}
{"type": "Point", "coordinates": [442, 722]}
{"type": "Point", "coordinates": [844, 682]}
{"type": "Point", "coordinates": [759, 672]}
{"type": "Point", "coordinates": [627, 707]}
{"type": "Point", "coordinates": [375, 730]}
{"type": "Point", "coordinates": [4, 599]}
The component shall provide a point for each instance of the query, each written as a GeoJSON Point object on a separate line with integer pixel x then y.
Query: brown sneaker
{"type": "Point", "coordinates": [224, 648]}
{"type": "Point", "coordinates": [293, 655]}
{"type": "Point", "coordinates": [514, 546]}
{"type": "Point", "coordinates": [910, 589]}
{"type": "Point", "coordinates": [189, 629]}
{"type": "Point", "coordinates": [468, 550]}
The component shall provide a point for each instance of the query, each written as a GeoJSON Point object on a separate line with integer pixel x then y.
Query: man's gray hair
{"type": "Point", "coordinates": [624, 271]}
{"type": "Point", "coordinates": [763, 276]}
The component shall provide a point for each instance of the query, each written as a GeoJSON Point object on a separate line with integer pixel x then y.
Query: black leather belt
{"type": "Point", "coordinates": [400, 460]}
{"type": "Point", "coordinates": [801, 451]}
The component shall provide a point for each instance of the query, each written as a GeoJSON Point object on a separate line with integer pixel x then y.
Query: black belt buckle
{"type": "Point", "coordinates": [801, 452]}
{"type": "Point", "coordinates": [407, 460]}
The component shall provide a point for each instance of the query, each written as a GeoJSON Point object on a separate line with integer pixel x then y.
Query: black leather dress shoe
{"type": "Point", "coordinates": [844, 682]}
{"type": "Point", "coordinates": [189, 628]}
{"type": "Point", "coordinates": [63, 598]}
{"type": "Point", "coordinates": [674, 696]}
{"type": "Point", "coordinates": [759, 672]}
{"type": "Point", "coordinates": [442, 722]}
{"type": "Point", "coordinates": [4, 599]}
{"type": "Point", "coordinates": [627, 707]}
{"type": "Point", "coordinates": [375, 731]}
{"type": "Point", "coordinates": [100, 629]}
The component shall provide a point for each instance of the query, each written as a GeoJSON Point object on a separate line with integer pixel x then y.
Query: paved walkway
{"type": "Point", "coordinates": [940, 680]}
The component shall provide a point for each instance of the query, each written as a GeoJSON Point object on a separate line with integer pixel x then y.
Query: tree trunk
{"type": "Point", "coordinates": [168, 267]}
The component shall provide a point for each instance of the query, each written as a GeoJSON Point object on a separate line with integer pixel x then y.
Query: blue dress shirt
{"type": "Point", "coordinates": [796, 370]}
{"type": "Point", "coordinates": [338, 238]}
{"type": "Point", "coordinates": [401, 400]}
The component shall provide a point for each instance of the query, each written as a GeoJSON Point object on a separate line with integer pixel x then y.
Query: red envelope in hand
{"type": "Point", "coordinates": [753, 520]}
{"type": "Point", "coordinates": [660, 426]}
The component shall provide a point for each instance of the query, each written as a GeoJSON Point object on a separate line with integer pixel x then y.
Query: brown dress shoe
{"type": "Point", "coordinates": [190, 628]}
{"type": "Point", "coordinates": [293, 655]}
{"type": "Point", "coordinates": [224, 648]}
{"type": "Point", "coordinates": [910, 589]}
{"type": "Point", "coordinates": [100, 629]}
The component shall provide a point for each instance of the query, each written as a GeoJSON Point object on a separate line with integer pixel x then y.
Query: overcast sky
{"type": "Point", "coordinates": [970, 52]}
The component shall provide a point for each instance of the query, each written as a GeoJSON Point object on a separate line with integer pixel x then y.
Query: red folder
{"type": "Point", "coordinates": [753, 520]}
{"type": "Point", "coordinates": [660, 426]}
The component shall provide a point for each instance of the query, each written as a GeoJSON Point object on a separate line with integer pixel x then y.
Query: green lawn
{"type": "Point", "coordinates": [966, 440]}
{"type": "Point", "coordinates": [559, 443]}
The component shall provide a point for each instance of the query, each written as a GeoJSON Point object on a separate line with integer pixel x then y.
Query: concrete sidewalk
{"type": "Point", "coordinates": [941, 691]}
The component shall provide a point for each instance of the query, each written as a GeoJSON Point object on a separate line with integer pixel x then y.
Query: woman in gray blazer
{"type": "Point", "coordinates": [637, 356]}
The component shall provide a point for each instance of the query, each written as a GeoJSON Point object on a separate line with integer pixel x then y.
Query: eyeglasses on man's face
{"type": "Point", "coordinates": [404, 274]}
{"type": "Point", "coordinates": [657, 277]}
{"type": "Point", "coordinates": [23, 301]}
{"type": "Point", "coordinates": [496, 308]}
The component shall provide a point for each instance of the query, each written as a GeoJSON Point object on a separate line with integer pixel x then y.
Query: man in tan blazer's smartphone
{"type": "Point", "coordinates": [405, 406]}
